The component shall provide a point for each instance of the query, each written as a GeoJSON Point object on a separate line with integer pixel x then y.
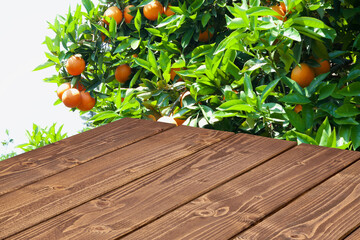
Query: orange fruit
{"type": "Point", "coordinates": [303, 75]}
{"type": "Point", "coordinates": [79, 86]}
{"type": "Point", "coordinates": [62, 88]}
{"type": "Point", "coordinates": [324, 67]}
{"type": "Point", "coordinates": [128, 17]}
{"type": "Point", "coordinates": [205, 36]}
{"type": "Point", "coordinates": [283, 7]}
{"type": "Point", "coordinates": [122, 73]}
{"type": "Point", "coordinates": [134, 55]}
{"type": "Point", "coordinates": [152, 117]}
{"type": "Point", "coordinates": [173, 73]}
{"type": "Point", "coordinates": [87, 102]}
{"type": "Point", "coordinates": [168, 12]}
{"type": "Point", "coordinates": [167, 119]}
{"type": "Point", "coordinates": [298, 108]}
{"type": "Point", "coordinates": [152, 10]}
{"type": "Point", "coordinates": [75, 65]}
{"type": "Point", "coordinates": [71, 98]}
{"type": "Point", "coordinates": [113, 12]}
{"type": "Point", "coordinates": [179, 121]}
{"type": "Point", "coordinates": [280, 11]}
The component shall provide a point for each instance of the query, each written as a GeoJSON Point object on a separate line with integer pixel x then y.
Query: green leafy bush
{"type": "Point", "coordinates": [239, 80]}
{"type": "Point", "coordinates": [40, 137]}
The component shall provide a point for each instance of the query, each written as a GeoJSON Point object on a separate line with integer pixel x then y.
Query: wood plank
{"type": "Point", "coordinates": [146, 199]}
{"type": "Point", "coordinates": [51, 196]}
{"type": "Point", "coordinates": [355, 235]}
{"type": "Point", "coordinates": [329, 211]}
{"type": "Point", "coordinates": [236, 205]}
{"type": "Point", "coordinates": [40, 163]}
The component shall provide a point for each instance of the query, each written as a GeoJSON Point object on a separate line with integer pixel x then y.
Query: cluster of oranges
{"type": "Point", "coordinates": [305, 74]}
{"type": "Point", "coordinates": [75, 96]}
{"type": "Point", "coordinates": [151, 11]}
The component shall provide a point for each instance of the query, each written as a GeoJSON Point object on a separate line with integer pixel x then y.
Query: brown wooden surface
{"type": "Point", "coordinates": [136, 179]}
{"type": "Point", "coordinates": [232, 207]}
{"type": "Point", "coordinates": [328, 211]}
{"type": "Point", "coordinates": [355, 235]}
{"type": "Point", "coordinates": [51, 196]}
{"type": "Point", "coordinates": [40, 163]}
{"type": "Point", "coordinates": [148, 198]}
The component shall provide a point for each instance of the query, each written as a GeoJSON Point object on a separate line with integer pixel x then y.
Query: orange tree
{"type": "Point", "coordinates": [239, 66]}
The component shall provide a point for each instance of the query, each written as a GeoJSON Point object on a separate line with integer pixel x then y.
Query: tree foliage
{"type": "Point", "coordinates": [237, 81]}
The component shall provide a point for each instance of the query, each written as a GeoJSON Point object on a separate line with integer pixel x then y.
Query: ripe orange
{"type": "Point", "coordinates": [79, 86]}
{"type": "Point", "coordinates": [303, 75]}
{"type": "Point", "coordinates": [167, 119]}
{"type": "Point", "coordinates": [113, 12]}
{"type": "Point", "coordinates": [152, 117]}
{"type": "Point", "coordinates": [75, 65]}
{"type": "Point", "coordinates": [298, 108]}
{"type": "Point", "coordinates": [62, 88]}
{"type": "Point", "coordinates": [283, 7]}
{"type": "Point", "coordinates": [179, 121]}
{"type": "Point", "coordinates": [128, 17]}
{"type": "Point", "coordinates": [87, 102]}
{"type": "Point", "coordinates": [280, 11]}
{"type": "Point", "coordinates": [71, 98]}
{"type": "Point", "coordinates": [205, 36]}
{"type": "Point", "coordinates": [324, 67]}
{"type": "Point", "coordinates": [122, 73]}
{"type": "Point", "coordinates": [135, 55]}
{"type": "Point", "coordinates": [173, 73]}
{"type": "Point", "coordinates": [152, 10]}
{"type": "Point", "coordinates": [168, 12]}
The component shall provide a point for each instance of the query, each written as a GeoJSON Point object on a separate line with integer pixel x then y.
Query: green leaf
{"type": "Point", "coordinates": [310, 22]}
{"type": "Point", "coordinates": [295, 120]}
{"type": "Point", "coordinates": [345, 121]}
{"type": "Point", "coordinates": [112, 28]}
{"type": "Point", "coordinates": [295, 98]}
{"type": "Point", "coordinates": [303, 138]}
{"type": "Point", "coordinates": [355, 136]}
{"type": "Point", "coordinates": [353, 74]}
{"type": "Point", "coordinates": [88, 5]}
{"type": "Point", "coordinates": [324, 127]}
{"type": "Point", "coordinates": [104, 115]}
{"type": "Point", "coordinates": [44, 65]}
{"type": "Point", "coordinates": [236, 105]}
{"type": "Point", "coordinates": [261, 11]}
{"type": "Point", "coordinates": [351, 90]}
{"type": "Point", "coordinates": [186, 38]}
{"type": "Point", "coordinates": [326, 91]}
{"type": "Point", "coordinates": [137, 21]}
{"type": "Point", "coordinates": [293, 34]}
{"type": "Point", "coordinates": [196, 5]}
{"type": "Point", "coordinates": [347, 110]}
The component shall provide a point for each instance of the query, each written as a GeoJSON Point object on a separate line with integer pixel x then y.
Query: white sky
{"type": "Point", "coordinates": [24, 97]}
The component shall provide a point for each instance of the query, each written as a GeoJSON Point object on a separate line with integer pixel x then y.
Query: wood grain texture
{"type": "Point", "coordinates": [236, 205]}
{"type": "Point", "coordinates": [355, 235]}
{"type": "Point", "coordinates": [40, 163]}
{"type": "Point", "coordinates": [329, 211]}
{"type": "Point", "coordinates": [125, 209]}
{"type": "Point", "coordinates": [53, 195]}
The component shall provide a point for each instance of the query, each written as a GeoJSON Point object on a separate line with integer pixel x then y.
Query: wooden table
{"type": "Point", "coordinates": [137, 179]}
